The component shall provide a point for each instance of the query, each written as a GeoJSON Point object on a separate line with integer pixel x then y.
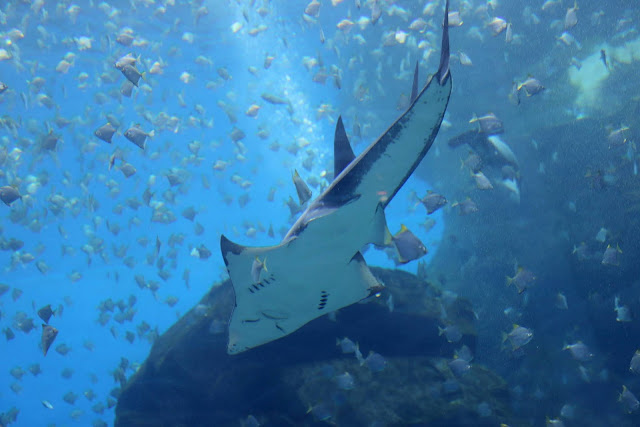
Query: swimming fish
{"type": "Point", "coordinates": [488, 124]}
{"type": "Point", "coordinates": [132, 74]}
{"type": "Point", "coordinates": [45, 313]}
{"type": "Point", "coordinates": [522, 279]}
{"type": "Point", "coordinates": [138, 136]}
{"type": "Point", "coordinates": [611, 255]}
{"type": "Point", "coordinates": [571, 17]}
{"type": "Point", "coordinates": [579, 351]}
{"type": "Point", "coordinates": [257, 267]}
{"type": "Point", "coordinates": [433, 201]}
{"type": "Point", "coordinates": [518, 337]}
{"type": "Point", "coordinates": [531, 86]}
{"type": "Point", "coordinates": [335, 226]}
{"type": "Point", "coordinates": [628, 400]}
{"type": "Point", "coordinates": [9, 195]}
{"type": "Point", "coordinates": [408, 246]}
{"type": "Point", "coordinates": [105, 132]}
{"type": "Point", "coordinates": [49, 334]}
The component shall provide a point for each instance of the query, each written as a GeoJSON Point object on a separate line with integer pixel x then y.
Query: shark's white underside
{"type": "Point", "coordinates": [318, 267]}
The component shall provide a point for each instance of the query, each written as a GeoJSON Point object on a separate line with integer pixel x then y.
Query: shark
{"type": "Point", "coordinates": [318, 267]}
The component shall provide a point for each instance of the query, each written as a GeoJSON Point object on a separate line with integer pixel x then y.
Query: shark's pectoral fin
{"type": "Point", "coordinates": [299, 286]}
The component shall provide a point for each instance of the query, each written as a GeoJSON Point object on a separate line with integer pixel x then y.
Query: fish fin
{"type": "Point", "coordinates": [414, 87]}
{"type": "Point", "coordinates": [381, 235]}
{"type": "Point", "coordinates": [443, 69]}
{"type": "Point", "coordinates": [342, 151]}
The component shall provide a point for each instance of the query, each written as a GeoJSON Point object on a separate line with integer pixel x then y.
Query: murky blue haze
{"type": "Point", "coordinates": [119, 270]}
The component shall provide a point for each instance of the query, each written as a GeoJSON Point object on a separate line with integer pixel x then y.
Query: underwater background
{"type": "Point", "coordinates": [225, 99]}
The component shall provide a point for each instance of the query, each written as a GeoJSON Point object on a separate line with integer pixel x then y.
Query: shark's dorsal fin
{"type": "Point", "coordinates": [414, 88]}
{"type": "Point", "coordinates": [342, 152]}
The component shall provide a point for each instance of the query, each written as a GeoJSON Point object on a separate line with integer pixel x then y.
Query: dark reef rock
{"type": "Point", "coordinates": [189, 380]}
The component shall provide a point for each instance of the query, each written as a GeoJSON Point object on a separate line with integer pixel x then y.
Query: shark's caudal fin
{"type": "Point", "coordinates": [318, 267]}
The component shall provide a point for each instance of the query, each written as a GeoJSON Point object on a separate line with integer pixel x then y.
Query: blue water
{"type": "Point", "coordinates": [78, 169]}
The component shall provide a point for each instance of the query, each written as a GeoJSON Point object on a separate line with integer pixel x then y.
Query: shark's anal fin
{"type": "Point", "coordinates": [342, 151]}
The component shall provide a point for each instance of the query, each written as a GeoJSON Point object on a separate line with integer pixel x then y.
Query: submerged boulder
{"type": "Point", "coordinates": [190, 380]}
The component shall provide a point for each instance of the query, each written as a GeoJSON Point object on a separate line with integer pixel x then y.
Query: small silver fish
{"type": "Point", "coordinates": [571, 18]}
{"type": "Point", "coordinates": [628, 400]}
{"type": "Point", "coordinates": [105, 132]}
{"type": "Point", "coordinates": [256, 269]}
{"type": "Point", "coordinates": [132, 74]}
{"type": "Point", "coordinates": [634, 366]}
{"type": "Point", "coordinates": [579, 351]}
{"type": "Point", "coordinates": [452, 333]}
{"type": "Point", "coordinates": [408, 246]}
{"type": "Point", "coordinates": [433, 201]}
{"type": "Point", "coordinates": [138, 136]}
{"type": "Point", "coordinates": [346, 345]}
{"type": "Point", "coordinates": [49, 334]}
{"type": "Point", "coordinates": [611, 256]}
{"type": "Point", "coordinates": [518, 337]}
{"type": "Point", "coordinates": [531, 86]}
{"type": "Point", "coordinates": [9, 195]}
